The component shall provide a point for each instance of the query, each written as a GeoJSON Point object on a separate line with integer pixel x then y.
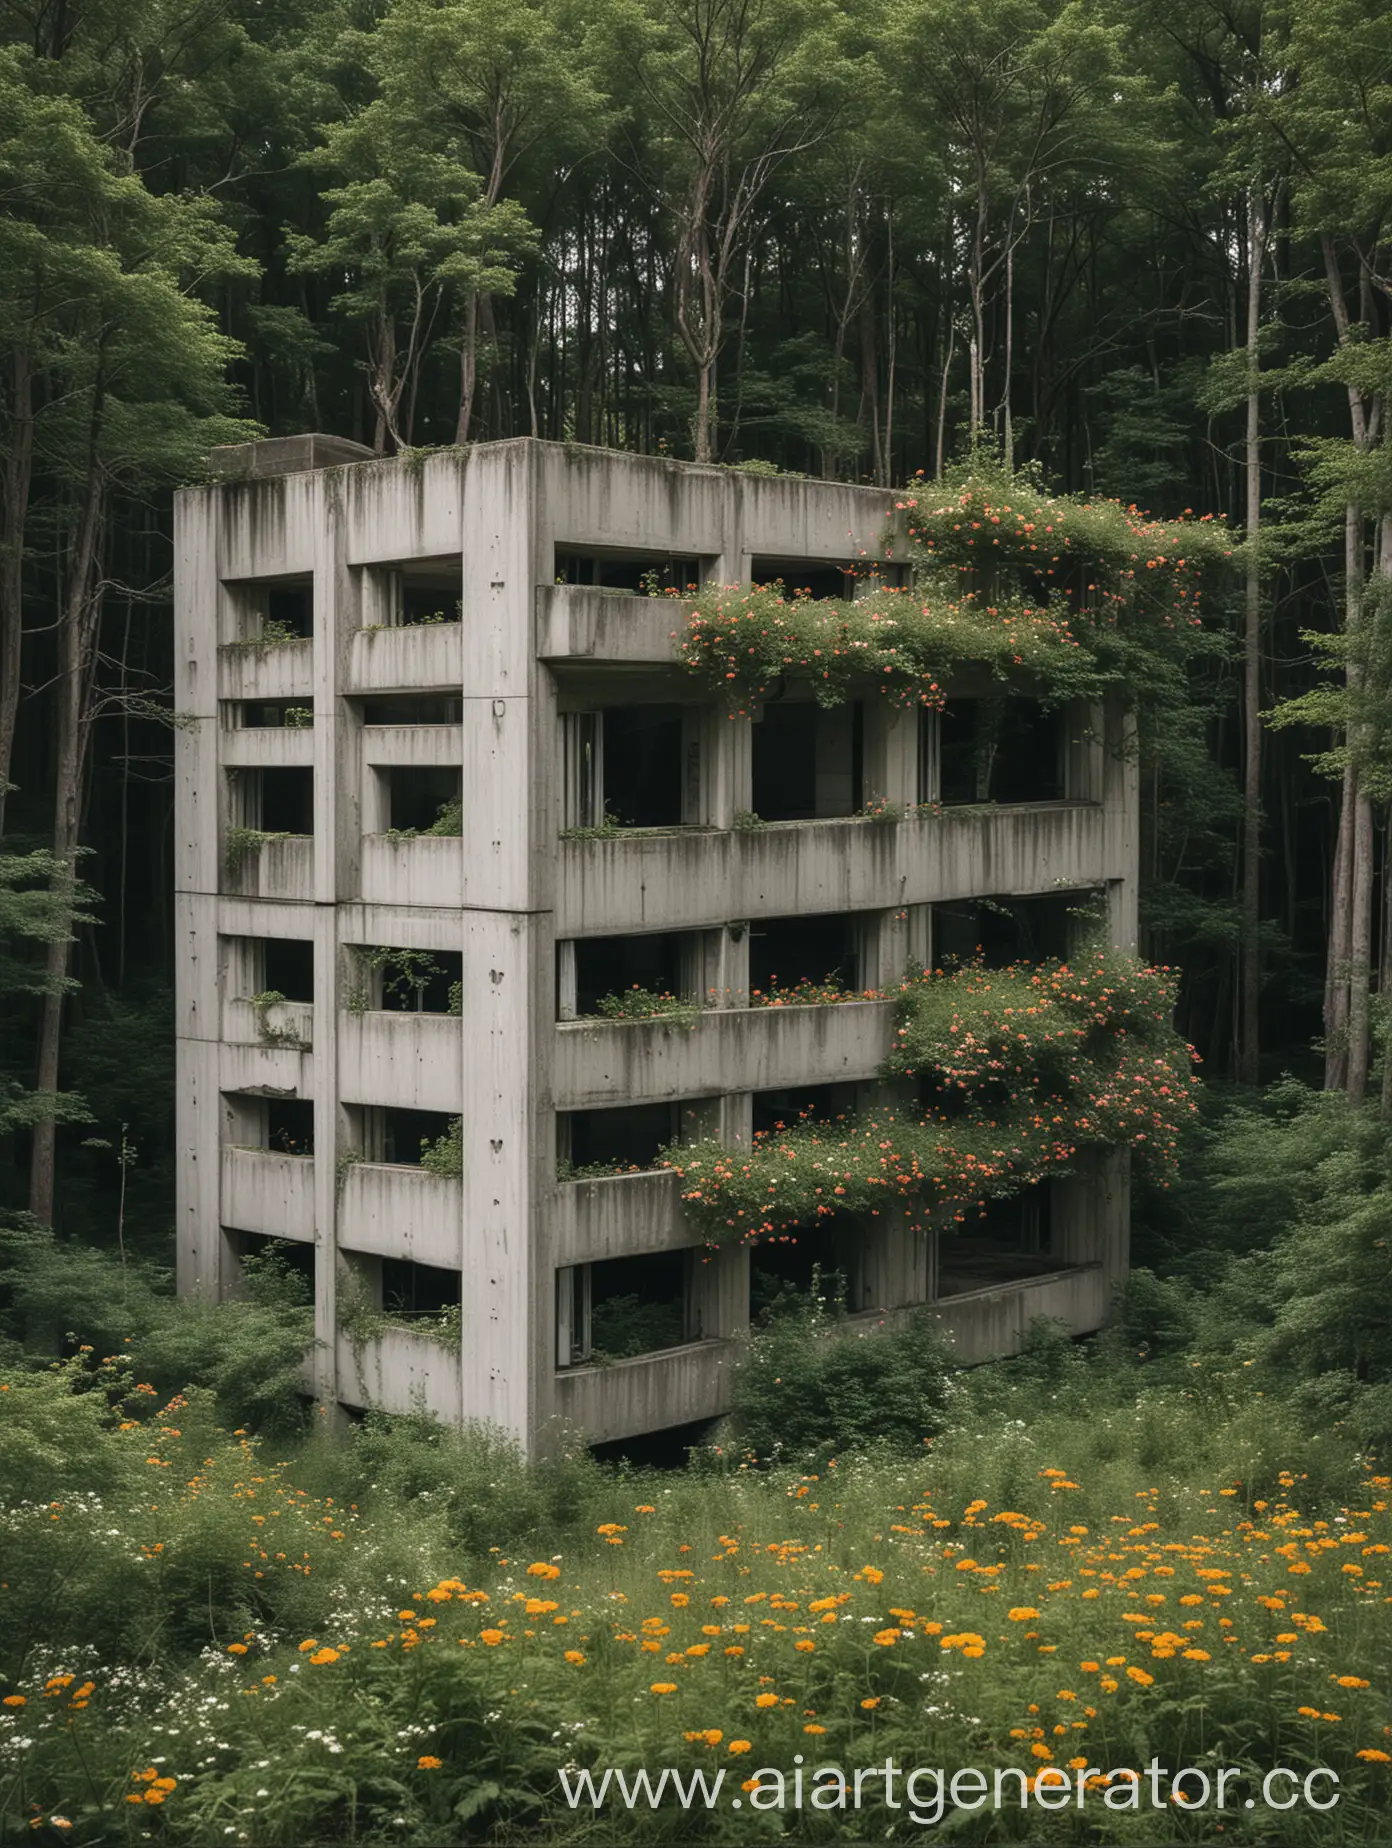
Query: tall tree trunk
{"type": "Point", "coordinates": [72, 714]}
{"type": "Point", "coordinates": [468, 369]}
{"type": "Point", "coordinates": [1250, 982]}
{"type": "Point", "coordinates": [19, 467]}
{"type": "Point", "coordinates": [1360, 951]}
{"type": "Point", "coordinates": [1336, 967]}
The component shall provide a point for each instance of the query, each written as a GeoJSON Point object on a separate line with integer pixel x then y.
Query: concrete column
{"type": "Point", "coordinates": [729, 773]}
{"type": "Point", "coordinates": [334, 611]}
{"type": "Point", "coordinates": [890, 760]}
{"type": "Point", "coordinates": [894, 1262]}
{"type": "Point", "coordinates": [717, 1294]}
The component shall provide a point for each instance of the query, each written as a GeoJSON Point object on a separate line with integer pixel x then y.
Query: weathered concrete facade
{"type": "Point", "coordinates": [290, 856]}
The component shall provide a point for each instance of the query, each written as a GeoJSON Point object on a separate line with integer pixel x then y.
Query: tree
{"type": "Point", "coordinates": [733, 89]}
{"type": "Point", "coordinates": [410, 229]}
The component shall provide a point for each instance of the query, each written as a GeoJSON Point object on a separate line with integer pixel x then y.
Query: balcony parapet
{"type": "Point", "coordinates": [575, 622]}
{"type": "Point", "coordinates": [283, 670]}
{"type": "Point", "coordinates": [426, 869]}
{"type": "Point", "coordinates": [676, 1386]}
{"type": "Point", "coordinates": [265, 1191]}
{"type": "Point", "coordinates": [392, 1211]}
{"type": "Point", "coordinates": [400, 1371]}
{"type": "Point", "coordinates": [694, 879]}
{"type": "Point", "coordinates": [600, 1062]}
{"type": "Point", "coordinates": [409, 1061]}
{"type": "Point", "coordinates": [406, 659]}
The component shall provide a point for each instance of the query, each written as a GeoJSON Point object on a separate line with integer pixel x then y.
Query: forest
{"type": "Point", "coordinates": [1116, 251]}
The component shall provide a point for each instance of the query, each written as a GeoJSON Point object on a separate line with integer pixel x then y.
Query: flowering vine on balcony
{"type": "Point", "coordinates": [1065, 594]}
{"type": "Point", "coordinates": [1020, 1068]}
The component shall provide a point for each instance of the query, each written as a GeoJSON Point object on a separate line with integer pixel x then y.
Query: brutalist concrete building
{"type": "Point", "coordinates": [446, 790]}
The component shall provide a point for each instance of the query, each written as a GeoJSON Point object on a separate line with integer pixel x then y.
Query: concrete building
{"type": "Point", "coordinates": [364, 644]}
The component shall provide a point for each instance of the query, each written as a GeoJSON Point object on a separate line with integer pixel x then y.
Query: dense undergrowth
{"type": "Point", "coordinates": [217, 1624]}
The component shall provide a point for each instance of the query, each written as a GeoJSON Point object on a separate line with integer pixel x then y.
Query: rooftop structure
{"type": "Point", "coordinates": [451, 794]}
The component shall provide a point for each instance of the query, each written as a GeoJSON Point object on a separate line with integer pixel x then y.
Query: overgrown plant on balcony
{"type": "Point", "coordinates": [269, 1034]}
{"type": "Point", "coordinates": [1066, 594]}
{"type": "Point", "coordinates": [449, 820]}
{"type": "Point", "coordinates": [272, 634]}
{"type": "Point", "coordinates": [1022, 1067]}
{"type": "Point", "coordinates": [444, 1154]}
{"type": "Point", "coordinates": [647, 1004]}
{"type": "Point", "coordinates": [240, 843]}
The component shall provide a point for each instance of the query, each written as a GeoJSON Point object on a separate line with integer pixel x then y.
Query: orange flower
{"type": "Point", "coordinates": [765, 1700]}
{"type": "Point", "coordinates": [871, 1701]}
{"type": "Point", "coordinates": [574, 1656]}
{"type": "Point", "coordinates": [1022, 1613]}
{"type": "Point", "coordinates": [542, 1569]}
{"type": "Point", "coordinates": [428, 1763]}
{"type": "Point", "coordinates": [491, 1637]}
{"type": "Point", "coordinates": [664, 1687]}
{"type": "Point", "coordinates": [739, 1745]}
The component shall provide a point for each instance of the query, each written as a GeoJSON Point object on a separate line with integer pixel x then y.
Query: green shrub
{"type": "Point", "coordinates": [813, 1384]}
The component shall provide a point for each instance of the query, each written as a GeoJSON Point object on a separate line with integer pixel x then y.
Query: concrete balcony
{"type": "Point", "coordinates": [987, 1324]}
{"type": "Point", "coordinates": [677, 1386]}
{"type": "Point", "coordinates": [746, 1049]}
{"type": "Point", "coordinates": [284, 671]}
{"type": "Point", "coordinates": [428, 870]}
{"type": "Point", "coordinates": [265, 1191]}
{"type": "Point", "coordinates": [400, 1371]}
{"type": "Point", "coordinates": [398, 1212]}
{"type": "Point", "coordinates": [411, 1061]}
{"type": "Point", "coordinates": [619, 1217]}
{"type": "Point", "coordinates": [403, 660]}
{"type": "Point", "coordinates": [264, 747]}
{"type": "Point", "coordinates": [428, 745]}
{"type": "Point", "coordinates": [286, 1026]}
{"type": "Point", "coordinates": [275, 869]}
{"type": "Point", "coordinates": [576, 623]}
{"type": "Point", "coordinates": [692, 879]}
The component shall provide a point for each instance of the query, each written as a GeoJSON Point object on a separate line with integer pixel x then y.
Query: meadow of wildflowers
{"type": "Point", "coordinates": [204, 1643]}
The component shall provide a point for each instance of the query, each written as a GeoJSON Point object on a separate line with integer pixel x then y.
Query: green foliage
{"type": "Point", "coordinates": [1024, 1065]}
{"type": "Point", "coordinates": [445, 1155]}
{"type": "Point", "coordinates": [646, 1004]}
{"type": "Point", "coordinates": [275, 634]}
{"type": "Point", "coordinates": [1057, 592]}
{"type": "Point", "coordinates": [624, 1326]}
{"type": "Point", "coordinates": [269, 1032]}
{"type": "Point", "coordinates": [240, 843]}
{"type": "Point", "coordinates": [248, 1352]}
{"type": "Point", "coordinates": [814, 1385]}
{"type": "Point", "coordinates": [41, 903]}
{"type": "Point", "coordinates": [745, 821]}
{"type": "Point", "coordinates": [608, 829]}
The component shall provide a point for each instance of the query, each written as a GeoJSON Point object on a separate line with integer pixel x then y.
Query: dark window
{"type": "Point", "coordinates": [821, 1103]}
{"type": "Point", "coordinates": [290, 1125]}
{"type": "Point", "coordinates": [643, 765]}
{"type": "Point", "coordinates": [418, 981]}
{"type": "Point", "coordinates": [786, 951]}
{"type": "Point", "coordinates": [638, 1305]}
{"type": "Point", "coordinates": [289, 967]}
{"type": "Point", "coordinates": [1004, 930]}
{"type": "Point", "coordinates": [609, 965]}
{"type": "Point", "coordinates": [291, 606]}
{"type": "Point", "coordinates": [1007, 1241]}
{"type": "Point", "coordinates": [785, 1269]}
{"type": "Point", "coordinates": [416, 795]}
{"type": "Point", "coordinates": [1000, 750]}
{"type": "Point", "coordinates": [807, 577]}
{"type": "Point", "coordinates": [268, 714]}
{"type": "Point", "coordinates": [429, 600]}
{"type": "Point", "coordinates": [287, 801]}
{"type": "Point", "coordinates": [418, 1289]}
{"type": "Point", "coordinates": [619, 1140]}
{"type": "Point", "coordinates": [281, 1269]}
{"type": "Point", "coordinates": [635, 571]}
{"type": "Point", "coordinates": [403, 1132]}
{"type": "Point", "coordinates": [807, 761]}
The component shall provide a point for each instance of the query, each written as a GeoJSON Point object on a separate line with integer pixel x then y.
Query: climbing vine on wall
{"type": "Point", "coordinates": [1019, 1069]}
